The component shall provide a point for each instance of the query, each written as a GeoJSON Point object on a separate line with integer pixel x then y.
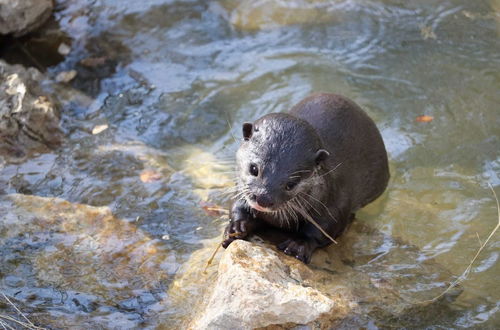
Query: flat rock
{"type": "Point", "coordinates": [84, 248]}
{"type": "Point", "coordinates": [348, 285]}
{"type": "Point", "coordinates": [29, 116]}
{"type": "Point", "coordinates": [22, 16]}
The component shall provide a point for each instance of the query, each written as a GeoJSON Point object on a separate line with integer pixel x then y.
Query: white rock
{"type": "Point", "coordinates": [66, 76]}
{"type": "Point", "coordinates": [346, 286]}
{"type": "Point", "coordinates": [63, 49]}
{"type": "Point", "coordinates": [99, 128]}
{"type": "Point", "coordinates": [256, 294]}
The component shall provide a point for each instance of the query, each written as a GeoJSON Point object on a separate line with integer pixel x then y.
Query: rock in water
{"type": "Point", "coordinates": [22, 16]}
{"type": "Point", "coordinates": [86, 248]}
{"type": "Point", "coordinates": [253, 292]}
{"type": "Point", "coordinates": [346, 286]}
{"type": "Point", "coordinates": [29, 117]}
{"type": "Point", "coordinates": [249, 15]}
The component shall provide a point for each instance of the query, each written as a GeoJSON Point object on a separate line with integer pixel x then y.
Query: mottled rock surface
{"type": "Point", "coordinates": [86, 248]}
{"type": "Point", "coordinates": [29, 116]}
{"type": "Point", "coordinates": [22, 16]}
{"type": "Point", "coordinates": [345, 286]}
{"type": "Point", "coordinates": [255, 288]}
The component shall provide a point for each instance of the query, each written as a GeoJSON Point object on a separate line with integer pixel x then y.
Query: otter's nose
{"type": "Point", "coordinates": [264, 200]}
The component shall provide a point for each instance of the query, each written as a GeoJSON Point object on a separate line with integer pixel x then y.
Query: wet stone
{"type": "Point", "coordinates": [262, 15]}
{"type": "Point", "coordinates": [29, 117]}
{"type": "Point", "coordinates": [22, 16]}
{"type": "Point", "coordinates": [88, 249]}
{"type": "Point", "coordinates": [256, 286]}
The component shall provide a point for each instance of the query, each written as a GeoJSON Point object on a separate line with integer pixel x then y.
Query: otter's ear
{"type": "Point", "coordinates": [321, 155]}
{"type": "Point", "coordinates": [247, 131]}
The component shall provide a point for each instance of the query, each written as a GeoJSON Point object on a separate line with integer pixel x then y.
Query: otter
{"type": "Point", "coordinates": [307, 172]}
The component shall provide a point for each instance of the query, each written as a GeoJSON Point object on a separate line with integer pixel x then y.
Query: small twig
{"type": "Point", "coordinates": [466, 272]}
{"type": "Point", "coordinates": [5, 325]}
{"type": "Point", "coordinates": [209, 262]}
{"type": "Point", "coordinates": [477, 235]}
{"type": "Point", "coordinates": [218, 209]}
{"type": "Point", "coordinates": [24, 324]}
{"type": "Point", "coordinates": [17, 309]}
{"type": "Point", "coordinates": [28, 325]}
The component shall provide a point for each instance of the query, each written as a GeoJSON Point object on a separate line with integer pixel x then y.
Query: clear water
{"type": "Point", "coordinates": [177, 79]}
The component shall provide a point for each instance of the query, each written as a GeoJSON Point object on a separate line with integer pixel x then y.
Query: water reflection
{"type": "Point", "coordinates": [177, 77]}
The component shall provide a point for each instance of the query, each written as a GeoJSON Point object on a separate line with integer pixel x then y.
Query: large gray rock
{"type": "Point", "coordinates": [22, 16]}
{"type": "Point", "coordinates": [29, 117]}
{"type": "Point", "coordinates": [348, 285]}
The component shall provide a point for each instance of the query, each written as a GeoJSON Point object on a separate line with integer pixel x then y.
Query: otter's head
{"type": "Point", "coordinates": [278, 160]}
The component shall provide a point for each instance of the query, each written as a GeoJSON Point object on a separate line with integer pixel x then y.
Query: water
{"type": "Point", "coordinates": [174, 80]}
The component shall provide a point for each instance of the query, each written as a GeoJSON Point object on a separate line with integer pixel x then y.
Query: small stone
{"type": "Point", "coordinates": [66, 76]}
{"type": "Point", "coordinates": [64, 49]}
{"type": "Point", "coordinates": [99, 128]}
{"type": "Point", "coordinates": [148, 176]}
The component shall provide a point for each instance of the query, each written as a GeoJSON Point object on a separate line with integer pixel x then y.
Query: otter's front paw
{"type": "Point", "coordinates": [298, 248]}
{"type": "Point", "coordinates": [235, 230]}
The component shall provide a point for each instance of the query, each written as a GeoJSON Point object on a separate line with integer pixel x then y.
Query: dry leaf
{"type": "Point", "coordinates": [93, 61]}
{"type": "Point", "coordinates": [427, 32]}
{"type": "Point", "coordinates": [148, 176]}
{"type": "Point", "coordinates": [214, 210]}
{"type": "Point", "coordinates": [424, 119]}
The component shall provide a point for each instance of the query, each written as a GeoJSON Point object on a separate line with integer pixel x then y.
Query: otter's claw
{"type": "Point", "coordinates": [235, 230]}
{"type": "Point", "coordinates": [300, 249]}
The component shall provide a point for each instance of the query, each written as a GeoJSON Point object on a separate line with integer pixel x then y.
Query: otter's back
{"type": "Point", "coordinates": [353, 141]}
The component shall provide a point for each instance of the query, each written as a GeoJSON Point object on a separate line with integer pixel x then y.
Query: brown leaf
{"type": "Point", "coordinates": [424, 119]}
{"type": "Point", "coordinates": [93, 61]}
{"type": "Point", "coordinates": [214, 210]}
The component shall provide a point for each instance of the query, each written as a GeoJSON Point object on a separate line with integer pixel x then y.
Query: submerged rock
{"type": "Point", "coordinates": [86, 248]}
{"type": "Point", "coordinates": [266, 14]}
{"type": "Point", "coordinates": [29, 117]}
{"type": "Point", "coordinates": [347, 285]}
{"type": "Point", "coordinates": [22, 16]}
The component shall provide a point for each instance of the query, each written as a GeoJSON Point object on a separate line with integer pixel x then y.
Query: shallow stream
{"type": "Point", "coordinates": [174, 80]}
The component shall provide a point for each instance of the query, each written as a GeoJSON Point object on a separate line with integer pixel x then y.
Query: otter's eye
{"type": "Point", "coordinates": [290, 185]}
{"type": "Point", "coordinates": [254, 170]}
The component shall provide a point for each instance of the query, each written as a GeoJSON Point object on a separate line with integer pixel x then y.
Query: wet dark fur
{"type": "Point", "coordinates": [331, 154]}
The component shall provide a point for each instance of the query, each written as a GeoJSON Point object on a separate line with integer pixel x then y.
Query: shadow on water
{"type": "Point", "coordinates": [170, 80]}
